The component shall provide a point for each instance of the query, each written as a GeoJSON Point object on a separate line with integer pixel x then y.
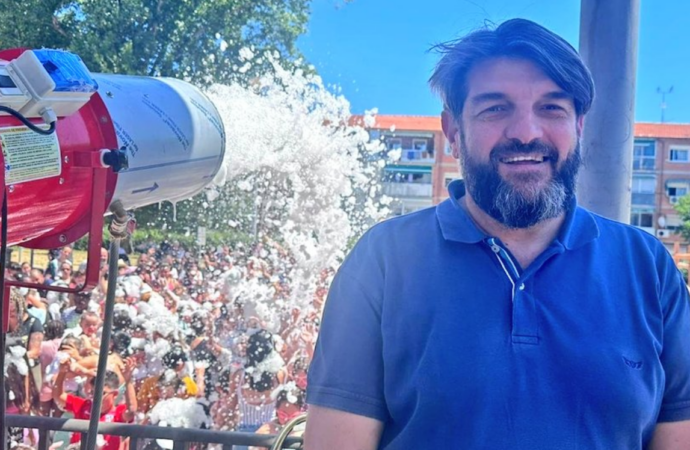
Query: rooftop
{"type": "Point", "coordinates": [433, 123]}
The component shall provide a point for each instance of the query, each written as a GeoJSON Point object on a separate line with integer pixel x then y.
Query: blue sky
{"type": "Point", "coordinates": [376, 50]}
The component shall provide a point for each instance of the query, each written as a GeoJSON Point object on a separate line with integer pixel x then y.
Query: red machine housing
{"type": "Point", "coordinates": [53, 212]}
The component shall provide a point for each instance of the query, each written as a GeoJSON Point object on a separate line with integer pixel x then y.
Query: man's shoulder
{"type": "Point", "coordinates": [406, 225]}
{"type": "Point", "coordinates": [610, 228]}
{"type": "Point", "coordinates": [74, 403]}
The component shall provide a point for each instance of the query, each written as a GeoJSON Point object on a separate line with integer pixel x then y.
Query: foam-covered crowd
{"type": "Point", "coordinates": [201, 339]}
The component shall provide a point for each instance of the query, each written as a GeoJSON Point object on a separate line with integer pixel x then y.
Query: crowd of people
{"type": "Point", "coordinates": [201, 339]}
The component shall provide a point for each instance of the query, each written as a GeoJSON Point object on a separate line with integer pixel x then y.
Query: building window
{"type": "Point", "coordinates": [642, 219]}
{"type": "Point", "coordinates": [679, 155]}
{"type": "Point", "coordinates": [678, 191]}
{"type": "Point", "coordinates": [643, 185]}
{"type": "Point", "coordinates": [447, 150]}
{"type": "Point", "coordinates": [644, 155]}
{"type": "Point", "coordinates": [419, 144]}
{"type": "Point", "coordinates": [393, 143]}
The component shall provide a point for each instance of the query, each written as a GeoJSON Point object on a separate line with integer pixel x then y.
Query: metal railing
{"type": "Point", "coordinates": [181, 437]}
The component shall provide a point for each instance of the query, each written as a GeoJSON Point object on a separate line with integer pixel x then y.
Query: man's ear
{"type": "Point", "coordinates": [580, 125]}
{"type": "Point", "coordinates": [451, 131]}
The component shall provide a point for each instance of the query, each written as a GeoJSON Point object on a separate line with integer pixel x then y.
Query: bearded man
{"type": "Point", "coordinates": [507, 316]}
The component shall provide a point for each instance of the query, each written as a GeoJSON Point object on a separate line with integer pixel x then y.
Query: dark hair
{"type": "Point", "coordinates": [516, 38]}
{"type": "Point", "coordinates": [121, 320]}
{"type": "Point", "coordinates": [224, 380]}
{"type": "Point", "coordinates": [174, 357]}
{"type": "Point", "coordinates": [259, 346]}
{"type": "Point", "coordinates": [282, 397]}
{"type": "Point", "coordinates": [53, 329]}
{"type": "Point", "coordinates": [72, 341]}
{"type": "Point", "coordinates": [198, 323]}
{"type": "Point", "coordinates": [111, 380]}
{"type": "Point", "coordinates": [120, 343]}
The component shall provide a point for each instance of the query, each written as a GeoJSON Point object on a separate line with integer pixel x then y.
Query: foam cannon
{"type": "Point", "coordinates": [78, 145]}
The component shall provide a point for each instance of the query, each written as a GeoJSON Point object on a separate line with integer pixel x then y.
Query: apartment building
{"type": "Point", "coordinates": [661, 170]}
{"type": "Point", "coordinates": [661, 176]}
{"type": "Point", "coordinates": [410, 178]}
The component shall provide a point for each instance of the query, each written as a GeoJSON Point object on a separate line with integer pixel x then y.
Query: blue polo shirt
{"type": "Point", "coordinates": [432, 329]}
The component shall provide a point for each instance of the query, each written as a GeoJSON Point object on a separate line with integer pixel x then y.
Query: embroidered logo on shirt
{"type": "Point", "coordinates": [637, 365]}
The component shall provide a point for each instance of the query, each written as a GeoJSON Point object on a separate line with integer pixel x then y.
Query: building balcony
{"type": "Point", "coordinates": [409, 155]}
{"type": "Point", "coordinates": [407, 190]}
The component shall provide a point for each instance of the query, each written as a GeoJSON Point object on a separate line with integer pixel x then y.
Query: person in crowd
{"type": "Point", "coordinates": [36, 306]}
{"type": "Point", "coordinates": [176, 377]}
{"type": "Point", "coordinates": [65, 273]}
{"type": "Point", "coordinates": [53, 332]}
{"type": "Point", "coordinates": [251, 387]}
{"type": "Point", "coordinates": [188, 335]}
{"type": "Point", "coordinates": [26, 270]}
{"type": "Point", "coordinates": [87, 331]}
{"type": "Point", "coordinates": [111, 410]}
{"type": "Point", "coordinates": [37, 277]}
{"type": "Point", "coordinates": [72, 315]}
{"type": "Point", "coordinates": [29, 333]}
{"type": "Point", "coordinates": [52, 272]}
{"type": "Point", "coordinates": [289, 404]}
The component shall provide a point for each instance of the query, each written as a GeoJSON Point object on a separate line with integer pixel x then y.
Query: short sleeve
{"type": "Point", "coordinates": [36, 327]}
{"type": "Point", "coordinates": [347, 370]}
{"type": "Point", "coordinates": [120, 414]}
{"type": "Point", "coordinates": [675, 356]}
{"type": "Point", "coordinates": [74, 404]}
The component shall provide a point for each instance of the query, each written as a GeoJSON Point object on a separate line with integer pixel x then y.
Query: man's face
{"type": "Point", "coordinates": [518, 142]}
{"type": "Point", "coordinates": [109, 396]}
{"type": "Point", "coordinates": [81, 302]}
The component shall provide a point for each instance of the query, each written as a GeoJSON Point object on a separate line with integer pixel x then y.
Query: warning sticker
{"type": "Point", "coordinates": [28, 155]}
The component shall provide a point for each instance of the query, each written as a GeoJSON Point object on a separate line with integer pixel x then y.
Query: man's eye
{"type": "Point", "coordinates": [495, 108]}
{"type": "Point", "coordinates": [554, 108]}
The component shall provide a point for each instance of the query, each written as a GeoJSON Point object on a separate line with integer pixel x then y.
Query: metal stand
{"type": "Point", "coordinates": [118, 231]}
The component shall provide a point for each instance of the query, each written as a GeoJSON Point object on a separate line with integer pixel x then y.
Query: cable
{"type": "Point", "coordinates": [3, 255]}
{"type": "Point", "coordinates": [26, 122]}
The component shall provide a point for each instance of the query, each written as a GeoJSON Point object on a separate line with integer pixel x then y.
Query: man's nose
{"type": "Point", "coordinates": [524, 127]}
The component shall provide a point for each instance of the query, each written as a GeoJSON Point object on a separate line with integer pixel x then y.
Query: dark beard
{"type": "Point", "coordinates": [524, 205]}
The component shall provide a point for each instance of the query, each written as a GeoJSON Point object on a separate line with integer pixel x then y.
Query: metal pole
{"type": "Point", "coordinates": [113, 256]}
{"type": "Point", "coordinates": [608, 44]}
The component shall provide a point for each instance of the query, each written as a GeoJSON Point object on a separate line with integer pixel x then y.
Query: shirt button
{"type": "Point", "coordinates": [522, 286]}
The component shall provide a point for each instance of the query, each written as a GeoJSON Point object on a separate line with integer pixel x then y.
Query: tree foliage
{"type": "Point", "coordinates": [195, 40]}
{"type": "Point", "coordinates": [683, 210]}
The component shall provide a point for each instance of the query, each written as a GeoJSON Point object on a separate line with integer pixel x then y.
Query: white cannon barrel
{"type": "Point", "coordinates": [172, 133]}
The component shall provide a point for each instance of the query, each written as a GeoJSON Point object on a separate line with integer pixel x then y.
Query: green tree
{"type": "Point", "coordinates": [195, 40]}
{"type": "Point", "coordinates": [683, 210]}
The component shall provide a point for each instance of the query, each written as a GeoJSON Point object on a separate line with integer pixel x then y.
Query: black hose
{"type": "Point", "coordinates": [26, 121]}
{"type": "Point", "coordinates": [3, 255]}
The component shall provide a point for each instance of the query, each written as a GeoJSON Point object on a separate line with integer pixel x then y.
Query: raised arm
{"type": "Point", "coordinates": [59, 395]}
{"type": "Point", "coordinates": [130, 395]}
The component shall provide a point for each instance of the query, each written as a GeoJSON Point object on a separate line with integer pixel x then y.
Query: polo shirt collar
{"type": "Point", "coordinates": [579, 228]}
